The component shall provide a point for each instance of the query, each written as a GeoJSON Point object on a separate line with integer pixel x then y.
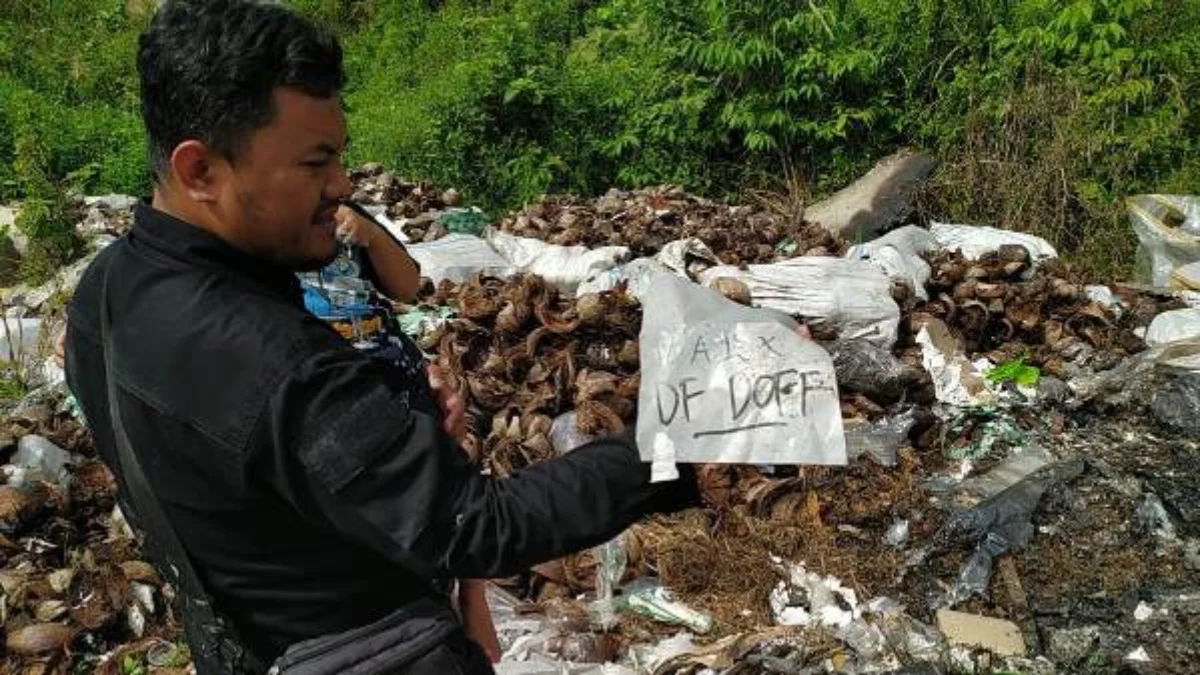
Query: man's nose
{"type": "Point", "coordinates": [339, 187]}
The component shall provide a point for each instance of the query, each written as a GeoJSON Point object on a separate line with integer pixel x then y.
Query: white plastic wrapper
{"type": "Point", "coordinates": [974, 241]}
{"type": "Point", "coordinates": [458, 257]}
{"type": "Point", "coordinates": [898, 254]}
{"type": "Point", "coordinates": [1168, 232]}
{"type": "Point", "coordinates": [730, 384]}
{"type": "Point", "coordinates": [563, 266]}
{"type": "Point", "coordinates": [853, 296]}
{"type": "Point", "coordinates": [1173, 326]}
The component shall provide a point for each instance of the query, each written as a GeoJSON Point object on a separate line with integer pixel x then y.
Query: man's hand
{"type": "Point", "coordinates": [453, 407]}
{"type": "Point", "coordinates": [477, 617]}
{"type": "Point", "coordinates": [60, 348]}
{"type": "Point", "coordinates": [354, 229]}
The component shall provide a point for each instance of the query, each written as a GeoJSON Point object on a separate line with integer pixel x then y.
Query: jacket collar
{"type": "Point", "coordinates": [193, 245]}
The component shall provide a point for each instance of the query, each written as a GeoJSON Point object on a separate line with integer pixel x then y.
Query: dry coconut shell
{"type": "Point", "coordinates": [733, 289]}
{"type": "Point", "coordinates": [41, 638]}
{"type": "Point", "coordinates": [18, 506]}
{"type": "Point", "coordinates": [139, 570]}
{"type": "Point", "coordinates": [590, 308]}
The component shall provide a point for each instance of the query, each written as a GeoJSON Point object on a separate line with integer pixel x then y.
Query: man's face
{"type": "Point", "coordinates": [280, 193]}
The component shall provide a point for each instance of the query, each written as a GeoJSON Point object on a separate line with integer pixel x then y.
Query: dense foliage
{"type": "Point", "coordinates": [1046, 113]}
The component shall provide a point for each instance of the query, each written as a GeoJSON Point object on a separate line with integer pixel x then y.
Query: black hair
{"type": "Point", "coordinates": [208, 69]}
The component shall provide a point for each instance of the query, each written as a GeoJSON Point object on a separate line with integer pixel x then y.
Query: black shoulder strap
{"type": "Point", "coordinates": [213, 642]}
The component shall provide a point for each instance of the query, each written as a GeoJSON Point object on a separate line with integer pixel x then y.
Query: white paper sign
{"type": "Point", "coordinates": [725, 383]}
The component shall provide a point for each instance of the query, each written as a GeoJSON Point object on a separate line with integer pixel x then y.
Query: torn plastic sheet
{"type": "Point", "coordinates": [724, 383]}
{"type": "Point", "coordinates": [975, 241]}
{"type": "Point", "coordinates": [881, 440]}
{"type": "Point", "coordinates": [974, 433]}
{"type": "Point", "coordinates": [1177, 403]}
{"type": "Point", "coordinates": [1104, 296]}
{"type": "Point", "coordinates": [851, 296]}
{"type": "Point", "coordinates": [1168, 232]}
{"type": "Point", "coordinates": [420, 321]}
{"type": "Point", "coordinates": [648, 597]}
{"type": "Point", "coordinates": [886, 636]}
{"type": "Point", "coordinates": [687, 257]}
{"type": "Point", "coordinates": [898, 254]}
{"type": "Point", "coordinates": [956, 381]}
{"type": "Point", "coordinates": [999, 524]}
{"type": "Point", "coordinates": [1021, 462]}
{"type": "Point", "coordinates": [611, 559]}
{"type": "Point", "coordinates": [807, 599]}
{"type": "Point", "coordinates": [1151, 517]}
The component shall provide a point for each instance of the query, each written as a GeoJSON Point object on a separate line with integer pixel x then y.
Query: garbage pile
{"type": "Point", "coordinates": [73, 580]}
{"type": "Point", "coordinates": [1019, 492]}
{"type": "Point", "coordinates": [647, 220]}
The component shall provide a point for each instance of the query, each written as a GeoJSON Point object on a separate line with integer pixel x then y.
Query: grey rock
{"type": "Point", "coordinates": [883, 198]}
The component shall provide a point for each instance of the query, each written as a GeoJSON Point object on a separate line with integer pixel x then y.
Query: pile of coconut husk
{"type": "Point", "coordinates": [74, 584]}
{"type": "Point", "coordinates": [1001, 307]}
{"type": "Point", "coordinates": [524, 354]}
{"type": "Point", "coordinates": [646, 220]}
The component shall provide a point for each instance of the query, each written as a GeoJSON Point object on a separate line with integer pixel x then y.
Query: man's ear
{"type": "Point", "coordinates": [196, 169]}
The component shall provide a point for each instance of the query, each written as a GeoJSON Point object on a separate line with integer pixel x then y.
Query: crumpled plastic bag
{"type": "Point", "coordinates": [852, 296]}
{"type": "Point", "coordinates": [898, 254]}
{"type": "Point", "coordinates": [1168, 232]}
{"type": "Point", "coordinates": [869, 369]}
{"type": "Point", "coordinates": [563, 266]}
{"type": "Point", "coordinates": [725, 383]}
{"type": "Point", "coordinates": [976, 240]}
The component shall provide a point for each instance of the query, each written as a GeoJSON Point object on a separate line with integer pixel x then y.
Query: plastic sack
{"type": "Point", "coordinates": [725, 383]}
{"type": "Point", "coordinates": [898, 254]}
{"type": "Point", "coordinates": [1187, 277]}
{"type": "Point", "coordinates": [563, 266]}
{"type": "Point", "coordinates": [1172, 326]}
{"type": "Point", "coordinates": [636, 274]}
{"type": "Point", "coordinates": [458, 257]}
{"type": "Point", "coordinates": [852, 296]}
{"type": "Point", "coordinates": [975, 241]}
{"type": "Point", "coordinates": [1168, 232]}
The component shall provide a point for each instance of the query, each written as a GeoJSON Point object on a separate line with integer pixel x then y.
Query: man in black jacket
{"type": "Point", "coordinates": [310, 495]}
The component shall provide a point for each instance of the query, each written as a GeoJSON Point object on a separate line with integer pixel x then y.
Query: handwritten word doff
{"type": "Point", "coordinates": [730, 384]}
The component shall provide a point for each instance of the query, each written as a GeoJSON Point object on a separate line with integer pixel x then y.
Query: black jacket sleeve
{"type": "Point", "coordinates": [348, 451]}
